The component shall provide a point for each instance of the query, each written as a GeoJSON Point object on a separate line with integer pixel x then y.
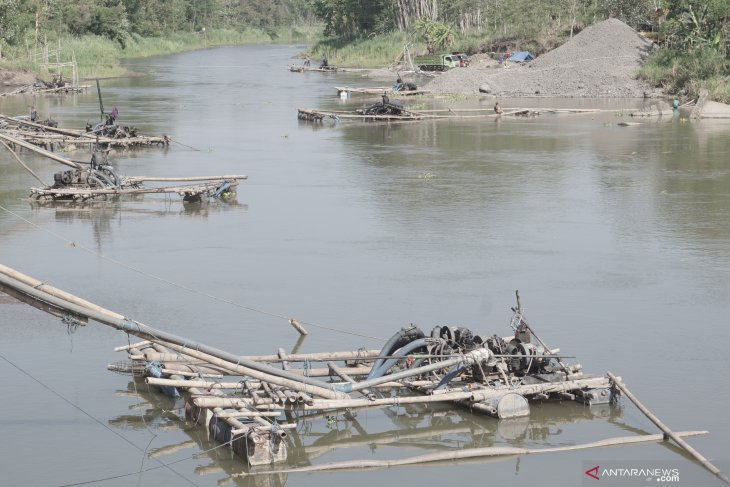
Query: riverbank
{"type": "Point", "coordinates": [100, 57]}
{"type": "Point", "coordinates": [601, 61]}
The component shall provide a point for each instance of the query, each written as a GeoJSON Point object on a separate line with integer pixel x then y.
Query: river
{"type": "Point", "coordinates": [618, 239]}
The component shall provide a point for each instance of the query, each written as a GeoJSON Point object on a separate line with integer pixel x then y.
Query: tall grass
{"type": "Point", "coordinates": [100, 57]}
{"type": "Point", "coordinates": [364, 53]}
{"type": "Point", "coordinates": [687, 74]}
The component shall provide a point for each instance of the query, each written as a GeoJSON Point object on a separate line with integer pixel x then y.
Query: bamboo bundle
{"type": "Point", "coordinates": [42, 135]}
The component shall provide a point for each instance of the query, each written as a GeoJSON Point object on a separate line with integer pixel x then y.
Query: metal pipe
{"type": "Point", "coordinates": [481, 354]}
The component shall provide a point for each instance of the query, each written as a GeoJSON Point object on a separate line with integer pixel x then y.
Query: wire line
{"type": "Point", "coordinates": [60, 396]}
{"type": "Point", "coordinates": [73, 244]}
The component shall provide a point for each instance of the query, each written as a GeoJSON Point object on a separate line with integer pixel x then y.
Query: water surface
{"type": "Point", "coordinates": [617, 238]}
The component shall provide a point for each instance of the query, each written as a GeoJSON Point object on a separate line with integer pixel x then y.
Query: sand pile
{"type": "Point", "coordinates": [601, 61]}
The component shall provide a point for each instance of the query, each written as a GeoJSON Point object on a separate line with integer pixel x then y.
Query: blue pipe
{"type": "Point", "coordinates": [401, 352]}
{"type": "Point", "coordinates": [386, 350]}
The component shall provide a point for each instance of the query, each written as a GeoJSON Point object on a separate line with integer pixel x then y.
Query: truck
{"type": "Point", "coordinates": [443, 62]}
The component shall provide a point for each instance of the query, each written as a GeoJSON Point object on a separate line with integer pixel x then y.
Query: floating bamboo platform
{"type": "Point", "coordinates": [100, 181]}
{"type": "Point", "coordinates": [33, 90]}
{"type": "Point", "coordinates": [253, 403]}
{"type": "Point", "coordinates": [315, 115]}
{"type": "Point", "coordinates": [403, 114]}
{"type": "Point", "coordinates": [53, 138]}
{"type": "Point", "coordinates": [316, 69]}
{"type": "Point", "coordinates": [377, 90]}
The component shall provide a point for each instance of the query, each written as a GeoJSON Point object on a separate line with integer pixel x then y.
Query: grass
{"type": "Point", "coordinates": [686, 74]}
{"type": "Point", "coordinates": [100, 57]}
{"type": "Point", "coordinates": [362, 53]}
{"type": "Point", "coordinates": [381, 50]}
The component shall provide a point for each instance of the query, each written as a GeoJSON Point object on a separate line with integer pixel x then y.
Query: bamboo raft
{"type": "Point", "coordinates": [371, 113]}
{"type": "Point", "coordinates": [403, 114]}
{"type": "Point", "coordinates": [377, 90]}
{"type": "Point", "coordinates": [238, 399]}
{"type": "Point", "coordinates": [52, 138]}
{"type": "Point", "coordinates": [100, 180]}
{"type": "Point", "coordinates": [33, 90]}
{"type": "Point", "coordinates": [316, 69]}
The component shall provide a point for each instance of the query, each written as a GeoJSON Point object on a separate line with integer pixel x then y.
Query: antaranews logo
{"type": "Point", "coordinates": [630, 473]}
{"type": "Point", "coordinates": [593, 472]}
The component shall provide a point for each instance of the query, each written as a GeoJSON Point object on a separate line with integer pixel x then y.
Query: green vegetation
{"type": "Point", "coordinates": [696, 36]}
{"type": "Point", "coordinates": [436, 35]}
{"type": "Point", "coordinates": [373, 33]}
{"type": "Point", "coordinates": [367, 52]}
{"type": "Point", "coordinates": [100, 32]}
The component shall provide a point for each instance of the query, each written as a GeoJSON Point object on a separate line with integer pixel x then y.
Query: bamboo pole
{"type": "Point", "coordinates": [181, 358]}
{"type": "Point", "coordinates": [22, 163]}
{"type": "Point", "coordinates": [39, 285]}
{"type": "Point", "coordinates": [226, 360]}
{"type": "Point", "coordinates": [154, 381]}
{"type": "Point", "coordinates": [298, 326]}
{"type": "Point", "coordinates": [40, 151]}
{"type": "Point", "coordinates": [74, 133]}
{"type": "Point", "coordinates": [244, 413]}
{"type": "Point", "coordinates": [236, 365]}
{"type": "Point", "coordinates": [468, 453]}
{"type": "Point", "coordinates": [122, 191]}
{"type": "Point", "coordinates": [476, 396]}
{"type": "Point", "coordinates": [318, 356]}
{"type": "Point", "coordinates": [141, 179]}
{"type": "Point", "coordinates": [667, 432]}
{"type": "Point", "coordinates": [167, 370]}
{"type": "Point", "coordinates": [124, 348]}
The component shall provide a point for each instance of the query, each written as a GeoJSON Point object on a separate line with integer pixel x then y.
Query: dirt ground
{"type": "Point", "coordinates": [15, 78]}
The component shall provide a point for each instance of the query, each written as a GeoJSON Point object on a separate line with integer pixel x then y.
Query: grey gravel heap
{"type": "Point", "coordinates": [601, 61]}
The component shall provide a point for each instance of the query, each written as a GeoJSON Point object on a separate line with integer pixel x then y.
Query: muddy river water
{"type": "Point", "coordinates": [618, 239]}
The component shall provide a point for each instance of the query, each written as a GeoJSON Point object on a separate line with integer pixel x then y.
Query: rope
{"type": "Point", "coordinates": [72, 244]}
{"type": "Point", "coordinates": [96, 420]}
{"type": "Point", "coordinates": [184, 145]}
{"type": "Point", "coordinates": [148, 469]}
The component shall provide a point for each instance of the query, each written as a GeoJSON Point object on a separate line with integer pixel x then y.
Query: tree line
{"type": "Point", "coordinates": [683, 24]}
{"type": "Point", "coordinates": [24, 20]}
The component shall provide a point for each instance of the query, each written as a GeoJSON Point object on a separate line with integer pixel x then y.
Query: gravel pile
{"type": "Point", "coordinates": [601, 61]}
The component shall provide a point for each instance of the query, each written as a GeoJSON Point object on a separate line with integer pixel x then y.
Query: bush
{"type": "Point", "coordinates": [688, 73]}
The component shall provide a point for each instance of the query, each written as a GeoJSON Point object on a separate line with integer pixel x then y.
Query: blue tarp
{"type": "Point", "coordinates": [521, 57]}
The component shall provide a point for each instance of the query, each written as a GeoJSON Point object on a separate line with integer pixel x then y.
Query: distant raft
{"type": "Point", "coordinates": [347, 91]}
{"type": "Point", "coordinates": [99, 180]}
{"type": "Point", "coordinates": [318, 69]}
{"type": "Point", "coordinates": [48, 135]}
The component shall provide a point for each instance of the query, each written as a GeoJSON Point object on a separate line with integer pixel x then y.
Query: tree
{"type": "Point", "coordinates": [694, 24]}
{"type": "Point", "coordinates": [349, 19]}
{"type": "Point", "coordinates": [436, 35]}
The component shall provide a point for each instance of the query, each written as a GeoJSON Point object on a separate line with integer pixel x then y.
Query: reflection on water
{"type": "Point", "coordinates": [321, 436]}
{"type": "Point", "coordinates": [102, 216]}
{"type": "Point", "coordinates": [617, 237]}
